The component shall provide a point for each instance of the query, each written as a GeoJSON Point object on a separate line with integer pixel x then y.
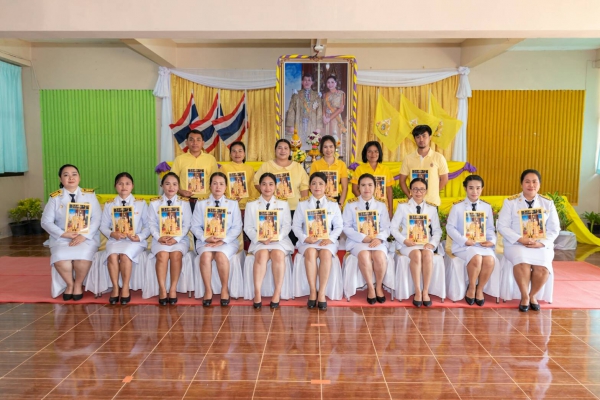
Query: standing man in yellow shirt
{"type": "Point", "coordinates": [425, 158]}
{"type": "Point", "coordinates": [195, 158]}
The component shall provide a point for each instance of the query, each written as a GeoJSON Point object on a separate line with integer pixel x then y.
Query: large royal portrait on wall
{"type": "Point", "coordinates": [315, 95]}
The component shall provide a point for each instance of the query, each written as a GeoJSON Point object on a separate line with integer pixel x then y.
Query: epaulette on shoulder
{"type": "Point", "coordinates": [304, 198]}
{"type": "Point", "coordinates": [84, 190]}
{"type": "Point", "coordinates": [155, 198]}
{"type": "Point", "coordinates": [184, 199]}
{"type": "Point", "coordinates": [380, 200]}
{"type": "Point", "coordinates": [483, 201]}
{"type": "Point", "coordinates": [514, 197]}
{"type": "Point", "coordinates": [56, 193]}
{"type": "Point", "coordinates": [250, 199]}
{"type": "Point", "coordinates": [107, 203]}
{"type": "Point", "coordinates": [458, 202]}
{"type": "Point", "coordinates": [546, 197]}
{"type": "Point", "coordinates": [331, 199]}
{"type": "Point", "coordinates": [282, 198]}
{"type": "Point", "coordinates": [431, 204]}
{"type": "Point", "coordinates": [352, 200]}
{"type": "Point", "coordinates": [402, 201]}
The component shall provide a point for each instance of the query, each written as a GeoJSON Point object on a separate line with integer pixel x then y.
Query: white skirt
{"type": "Point", "coordinates": [406, 250]}
{"type": "Point", "coordinates": [183, 246]}
{"type": "Point", "coordinates": [229, 249]}
{"type": "Point", "coordinates": [518, 254]}
{"type": "Point", "coordinates": [333, 247]}
{"type": "Point", "coordinates": [472, 251]}
{"type": "Point", "coordinates": [130, 249]}
{"type": "Point", "coordinates": [357, 248]}
{"type": "Point", "coordinates": [61, 251]}
{"type": "Point", "coordinates": [271, 246]}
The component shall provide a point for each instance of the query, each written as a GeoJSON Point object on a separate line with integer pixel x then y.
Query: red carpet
{"type": "Point", "coordinates": [27, 280]}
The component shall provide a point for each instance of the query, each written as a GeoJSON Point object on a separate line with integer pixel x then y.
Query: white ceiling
{"type": "Point", "coordinates": [557, 44]}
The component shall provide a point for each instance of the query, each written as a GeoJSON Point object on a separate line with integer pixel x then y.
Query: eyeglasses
{"type": "Point", "coordinates": [418, 190]}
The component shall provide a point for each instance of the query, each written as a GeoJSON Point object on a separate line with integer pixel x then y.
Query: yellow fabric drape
{"type": "Point", "coordinates": [260, 137]}
{"type": "Point", "coordinates": [513, 130]}
{"type": "Point", "coordinates": [444, 91]}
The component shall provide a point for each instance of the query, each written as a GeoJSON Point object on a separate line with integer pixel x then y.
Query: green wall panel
{"type": "Point", "coordinates": [102, 132]}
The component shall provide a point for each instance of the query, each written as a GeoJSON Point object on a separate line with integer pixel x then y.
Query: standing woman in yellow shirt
{"type": "Point", "coordinates": [283, 164]}
{"type": "Point", "coordinates": [372, 156]}
{"type": "Point", "coordinates": [329, 162]}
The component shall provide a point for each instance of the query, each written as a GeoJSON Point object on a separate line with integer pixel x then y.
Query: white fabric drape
{"type": "Point", "coordinates": [261, 79]}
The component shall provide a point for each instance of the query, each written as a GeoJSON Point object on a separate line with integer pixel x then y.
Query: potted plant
{"type": "Point", "coordinates": [566, 240]}
{"type": "Point", "coordinates": [19, 226]}
{"type": "Point", "coordinates": [593, 220]}
{"type": "Point", "coordinates": [26, 217]}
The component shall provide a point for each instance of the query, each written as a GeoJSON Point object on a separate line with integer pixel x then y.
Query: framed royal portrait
{"type": "Point", "coordinates": [268, 225]}
{"type": "Point", "coordinates": [419, 173]}
{"type": "Point", "coordinates": [380, 189]}
{"type": "Point", "coordinates": [318, 95]}
{"type": "Point", "coordinates": [368, 222]}
{"type": "Point", "coordinates": [238, 186]}
{"type": "Point", "coordinates": [196, 180]}
{"type": "Point", "coordinates": [283, 185]}
{"type": "Point", "coordinates": [122, 219]}
{"type": "Point", "coordinates": [533, 225]}
{"type": "Point", "coordinates": [332, 183]}
{"type": "Point", "coordinates": [78, 218]}
{"type": "Point", "coordinates": [215, 223]}
{"type": "Point", "coordinates": [474, 226]}
{"type": "Point", "coordinates": [170, 221]}
{"type": "Point", "coordinates": [418, 228]}
{"type": "Point", "coordinates": [316, 223]}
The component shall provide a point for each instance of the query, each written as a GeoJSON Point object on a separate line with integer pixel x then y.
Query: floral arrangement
{"type": "Point", "coordinates": [313, 139]}
{"type": "Point", "coordinates": [299, 156]}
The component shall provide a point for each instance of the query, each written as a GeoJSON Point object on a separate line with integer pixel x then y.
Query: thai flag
{"type": "Point", "coordinates": [188, 121]}
{"type": "Point", "coordinates": [232, 127]}
{"type": "Point", "coordinates": [209, 134]}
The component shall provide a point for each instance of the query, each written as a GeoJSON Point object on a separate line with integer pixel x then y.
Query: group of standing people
{"type": "Point", "coordinates": [72, 252]}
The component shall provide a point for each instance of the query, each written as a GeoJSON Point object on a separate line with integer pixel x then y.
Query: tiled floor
{"type": "Point", "coordinates": [82, 351]}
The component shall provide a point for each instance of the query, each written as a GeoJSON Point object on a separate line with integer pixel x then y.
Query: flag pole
{"type": "Point", "coordinates": [247, 114]}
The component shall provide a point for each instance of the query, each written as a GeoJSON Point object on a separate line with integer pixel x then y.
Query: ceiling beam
{"type": "Point", "coordinates": [161, 51]}
{"type": "Point", "coordinates": [478, 51]}
{"type": "Point", "coordinates": [15, 51]}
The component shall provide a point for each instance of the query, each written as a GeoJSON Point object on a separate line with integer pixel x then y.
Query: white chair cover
{"type": "Point", "coordinates": [457, 279]}
{"type": "Point", "coordinates": [186, 279]}
{"type": "Point", "coordinates": [404, 283]}
{"type": "Point", "coordinates": [354, 280]}
{"type": "Point", "coordinates": [99, 279]}
{"type": "Point", "coordinates": [509, 289]}
{"type": "Point", "coordinates": [335, 286]}
{"type": "Point", "coordinates": [268, 286]}
{"type": "Point", "coordinates": [58, 284]}
{"type": "Point", "coordinates": [236, 278]}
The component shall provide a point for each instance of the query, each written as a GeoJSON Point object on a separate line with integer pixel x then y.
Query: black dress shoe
{"type": "Point", "coordinates": [523, 308]}
{"type": "Point", "coordinates": [77, 297]}
{"type": "Point", "coordinates": [172, 300]}
{"type": "Point", "coordinates": [534, 307]}
{"type": "Point", "coordinates": [311, 304]}
{"type": "Point", "coordinates": [380, 299]}
{"type": "Point", "coordinates": [323, 305]}
{"type": "Point", "coordinates": [417, 303]}
{"type": "Point", "coordinates": [257, 306]}
{"type": "Point", "coordinates": [67, 297]}
{"type": "Point", "coordinates": [470, 301]}
{"type": "Point", "coordinates": [125, 300]}
{"type": "Point", "coordinates": [113, 300]}
{"type": "Point", "coordinates": [372, 300]}
{"type": "Point", "coordinates": [480, 303]}
{"type": "Point", "coordinates": [163, 302]}
{"type": "Point", "coordinates": [427, 303]}
{"type": "Point", "coordinates": [207, 302]}
{"type": "Point", "coordinates": [225, 302]}
{"type": "Point", "coordinates": [274, 305]}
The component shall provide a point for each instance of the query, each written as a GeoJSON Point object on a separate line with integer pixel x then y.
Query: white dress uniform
{"type": "Point", "coordinates": [233, 224]}
{"type": "Point", "coordinates": [183, 242]}
{"type": "Point", "coordinates": [53, 222]}
{"type": "Point", "coordinates": [510, 228]}
{"type": "Point", "coordinates": [140, 223]}
{"type": "Point", "coordinates": [285, 225]}
{"type": "Point", "coordinates": [455, 229]}
{"type": "Point", "coordinates": [335, 224]}
{"type": "Point", "coordinates": [354, 238]}
{"type": "Point", "coordinates": [399, 226]}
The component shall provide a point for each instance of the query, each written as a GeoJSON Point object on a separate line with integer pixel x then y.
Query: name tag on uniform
{"type": "Point", "coordinates": [228, 212]}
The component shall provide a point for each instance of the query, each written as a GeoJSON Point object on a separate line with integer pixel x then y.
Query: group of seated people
{"type": "Point", "coordinates": [366, 234]}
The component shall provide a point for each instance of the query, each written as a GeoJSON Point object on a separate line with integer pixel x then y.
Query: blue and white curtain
{"type": "Point", "coordinates": [13, 149]}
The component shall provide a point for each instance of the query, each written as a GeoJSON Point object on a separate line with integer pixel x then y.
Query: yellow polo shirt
{"type": "Point", "coordinates": [338, 166]}
{"type": "Point", "coordinates": [381, 170]}
{"type": "Point", "coordinates": [436, 165]}
{"type": "Point", "coordinates": [234, 167]}
{"type": "Point", "coordinates": [186, 161]}
{"type": "Point", "coordinates": [297, 174]}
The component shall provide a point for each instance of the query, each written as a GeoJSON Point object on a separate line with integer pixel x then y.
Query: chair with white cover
{"type": "Point", "coordinates": [268, 285]}
{"type": "Point", "coordinates": [404, 282]}
{"type": "Point", "coordinates": [236, 278]}
{"type": "Point", "coordinates": [354, 280]}
{"type": "Point", "coordinates": [99, 279]}
{"type": "Point", "coordinates": [58, 284]}
{"type": "Point", "coordinates": [334, 289]}
{"type": "Point", "coordinates": [186, 279]}
{"type": "Point", "coordinates": [509, 289]}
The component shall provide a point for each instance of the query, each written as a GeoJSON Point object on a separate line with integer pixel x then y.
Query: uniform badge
{"type": "Point", "coordinates": [431, 165]}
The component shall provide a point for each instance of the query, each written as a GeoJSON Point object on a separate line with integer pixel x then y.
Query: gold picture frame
{"type": "Point", "coordinates": [367, 222]}
{"type": "Point", "coordinates": [268, 225]}
{"type": "Point", "coordinates": [533, 224]}
{"type": "Point", "coordinates": [170, 223]}
{"type": "Point", "coordinates": [317, 225]}
{"type": "Point", "coordinates": [418, 228]}
{"type": "Point", "coordinates": [195, 180]}
{"type": "Point", "coordinates": [122, 220]}
{"type": "Point", "coordinates": [215, 222]}
{"type": "Point", "coordinates": [332, 183]}
{"type": "Point", "coordinates": [238, 185]}
{"type": "Point", "coordinates": [284, 185]}
{"type": "Point", "coordinates": [78, 217]}
{"type": "Point", "coordinates": [474, 226]}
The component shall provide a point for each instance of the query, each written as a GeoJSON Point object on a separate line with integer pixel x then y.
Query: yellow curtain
{"type": "Point", "coordinates": [444, 91]}
{"type": "Point", "coordinates": [513, 130]}
{"type": "Point", "coordinates": [260, 137]}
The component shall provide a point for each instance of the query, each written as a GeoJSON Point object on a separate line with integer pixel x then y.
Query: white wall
{"type": "Point", "coordinates": [553, 70]}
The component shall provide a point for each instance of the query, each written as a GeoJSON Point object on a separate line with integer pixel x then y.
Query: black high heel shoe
{"type": "Point", "coordinates": [225, 302]}
{"type": "Point", "coordinates": [417, 303]}
{"type": "Point", "coordinates": [274, 305]}
{"type": "Point", "coordinates": [323, 305]}
{"type": "Point", "coordinates": [172, 300]}
{"type": "Point", "coordinates": [523, 308]}
{"type": "Point", "coordinates": [113, 300]}
{"type": "Point", "coordinates": [480, 303]}
{"type": "Point", "coordinates": [206, 302]}
{"type": "Point", "coordinates": [534, 307]}
{"type": "Point", "coordinates": [77, 297]}
{"type": "Point", "coordinates": [67, 297]}
{"type": "Point", "coordinates": [379, 299]}
{"type": "Point", "coordinates": [257, 306]}
{"type": "Point", "coordinates": [470, 300]}
{"type": "Point", "coordinates": [163, 302]}
{"type": "Point", "coordinates": [125, 300]}
{"type": "Point", "coordinates": [372, 300]}
{"type": "Point", "coordinates": [428, 303]}
{"type": "Point", "coordinates": [311, 304]}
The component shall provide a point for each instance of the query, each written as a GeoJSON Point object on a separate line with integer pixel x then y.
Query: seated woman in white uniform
{"type": "Point", "coordinates": [127, 240]}
{"type": "Point", "coordinates": [309, 245]}
{"type": "Point", "coordinates": [479, 255]}
{"type": "Point", "coordinates": [167, 248]}
{"type": "Point", "coordinates": [366, 240]}
{"type": "Point", "coordinates": [265, 249]}
{"type": "Point", "coordinates": [70, 250]}
{"type": "Point", "coordinates": [531, 256]}
{"type": "Point", "coordinates": [420, 255]}
{"type": "Point", "coordinates": [209, 247]}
